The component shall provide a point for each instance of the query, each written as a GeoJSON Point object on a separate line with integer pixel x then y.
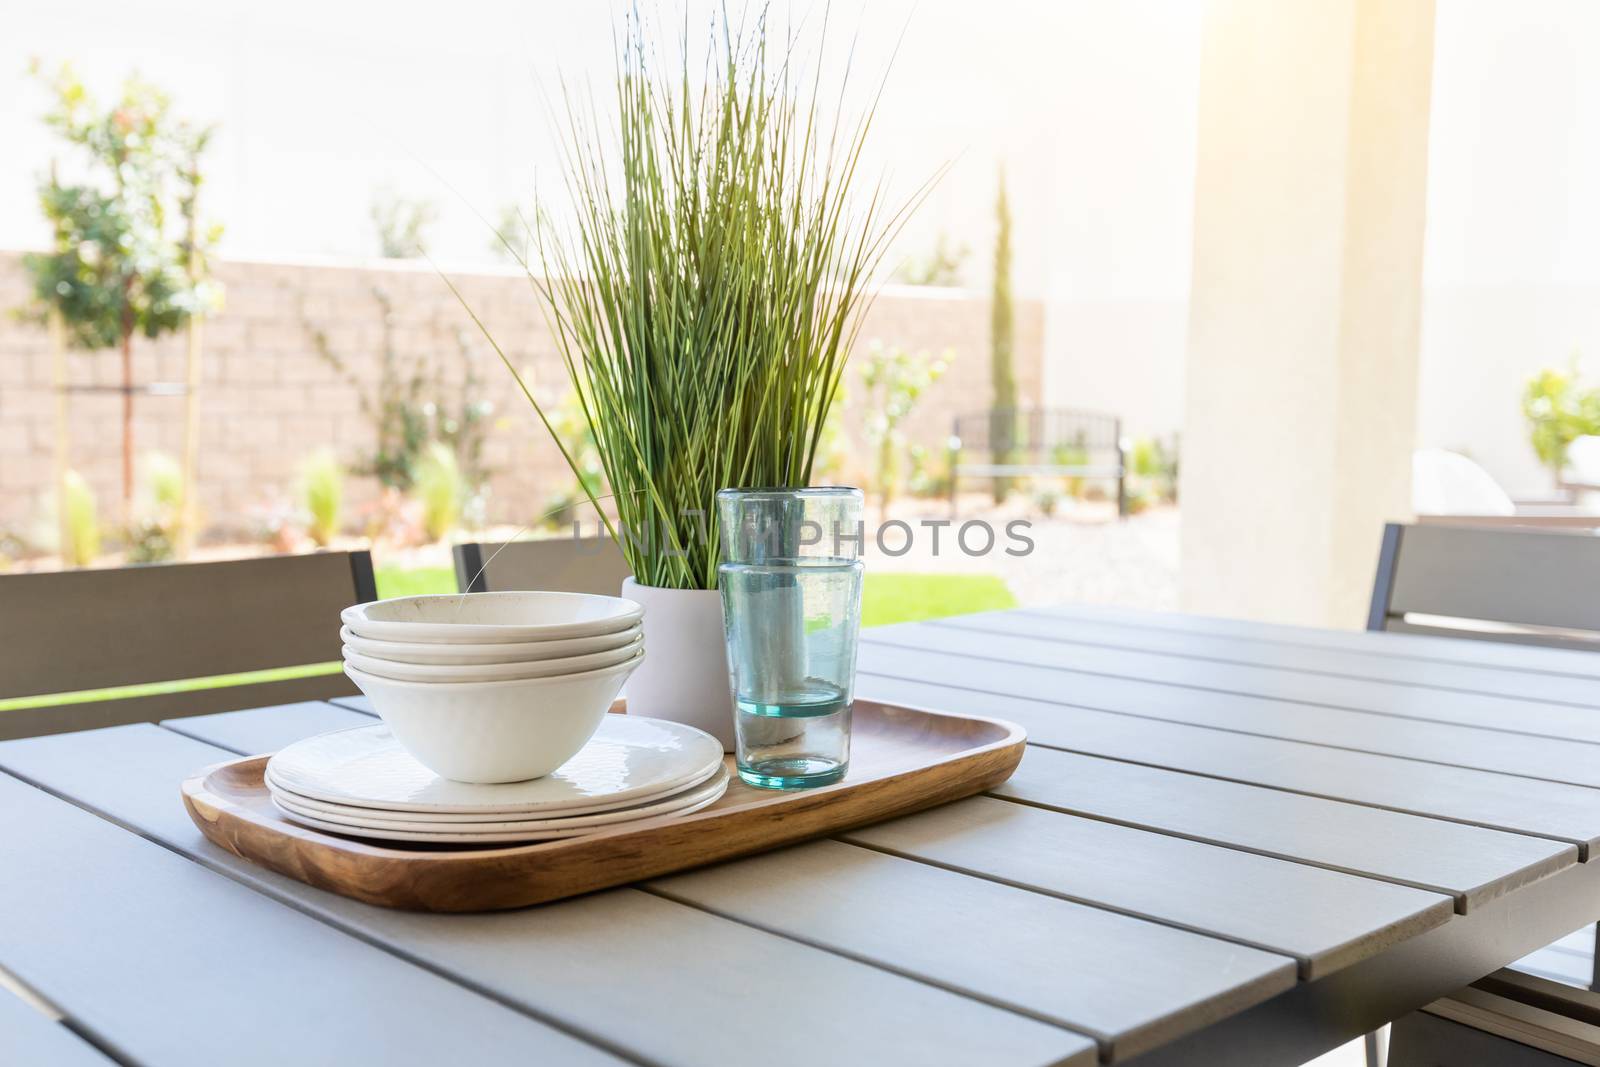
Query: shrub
{"type": "Point", "coordinates": [81, 521]}
{"type": "Point", "coordinates": [157, 525]}
{"type": "Point", "coordinates": [1559, 412]}
{"type": "Point", "coordinates": [411, 404]}
{"type": "Point", "coordinates": [1074, 455]}
{"type": "Point", "coordinates": [927, 475]}
{"type": "Point", "coordinates": [1154, 467]}
{"type": "Point", "coordinates": [440, 490]}
{"type": "Point", "coordinates": [402, 224]}
{"type": "Point", "coordinates": [571, 426]}
{"type": "Point", "coordinates": [895, 380]}
{"type": "Point", "coordinates": [941, 266]}
{"type": "Point", "coordinates": [321, 494]}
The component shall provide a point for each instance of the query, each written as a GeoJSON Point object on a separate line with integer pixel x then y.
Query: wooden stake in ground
{"type": "Point", "coordinates": [58, 360]}
{"type": "Point", "coordinates": [189, 516]}
{"type": "Point", "coordinates": [191, 439]}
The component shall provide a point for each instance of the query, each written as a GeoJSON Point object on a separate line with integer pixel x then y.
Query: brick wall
{"type": "Point", "coordinates": [269, 400]}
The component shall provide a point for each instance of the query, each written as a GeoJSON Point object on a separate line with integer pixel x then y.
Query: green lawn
{"type": "Point", "coordinates": [887, 598]}
{"type": "Point", "coordinates": [890, 598]}
{"type": "Point", "coordinates": [398, 581]}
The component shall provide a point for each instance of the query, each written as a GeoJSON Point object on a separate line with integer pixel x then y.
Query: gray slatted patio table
{"type": "Point", "coordinates": [1227, 843]}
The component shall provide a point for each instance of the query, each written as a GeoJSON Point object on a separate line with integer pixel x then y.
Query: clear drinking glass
{"type": "Point", "coordinates": [791, 607]}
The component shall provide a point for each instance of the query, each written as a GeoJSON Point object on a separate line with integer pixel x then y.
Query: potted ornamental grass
{"type": "Point", "coordinates": [704, 290]}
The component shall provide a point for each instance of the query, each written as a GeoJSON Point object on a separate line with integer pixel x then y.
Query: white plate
{"type": "Point", "coordinates": [491, 618]}
{"type": "Point", "coordinates": [491, 672]}
{"type": "Point", "coordinates": [629, 757]}
{"type": "Point", "coordinates": [444, 819]}
{"type": "Point", "coordinates": [477, 839]}
{"type": "Point", "coordinates": [362, 818]}
{"type": "Point", "coordinates": [505, 652]}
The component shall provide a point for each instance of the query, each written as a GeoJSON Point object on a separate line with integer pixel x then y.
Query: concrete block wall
{"type": "Point", "coordinates": [269, 400]}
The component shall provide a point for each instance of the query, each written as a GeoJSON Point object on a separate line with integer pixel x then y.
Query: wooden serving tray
{"type": "Point", "coordinates": [901, 760]}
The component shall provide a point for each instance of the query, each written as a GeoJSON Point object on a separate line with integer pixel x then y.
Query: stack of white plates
{"type": "Point", "coordinates": [493, 687]}
{"type": "Point", "coordinates": [362, 783]}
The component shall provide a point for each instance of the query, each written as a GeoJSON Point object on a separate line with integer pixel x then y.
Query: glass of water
{"type": "Point", "coordinates": [791, 607]}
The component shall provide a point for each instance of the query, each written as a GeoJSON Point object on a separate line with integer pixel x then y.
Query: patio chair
{"type": "Point", "coordinates": [562, 564]}
{"type": "Point", "coordinates": [76, 631]}
{"type": "Point", "coordinates": [1521, 585]}
{"type": "Point", "coordinates": [1508, 1019]}
{"type": "Point", "coordinates": [1531, 587]}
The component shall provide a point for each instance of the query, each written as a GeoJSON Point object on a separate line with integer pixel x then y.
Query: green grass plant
{"type": "Point", "coordinates": [81, 525]}
{"type": "Point", "coordinates": [321, 488]}
{"type": "Point", "coordinates": [892, 598]}
{"type": "Point", "coordinates": [709, 283]}
{"type": "Point", "coordinates": [440, 490]}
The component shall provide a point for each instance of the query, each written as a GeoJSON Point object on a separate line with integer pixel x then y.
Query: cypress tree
{"type": "Point", "coordinates": [1002, 342]}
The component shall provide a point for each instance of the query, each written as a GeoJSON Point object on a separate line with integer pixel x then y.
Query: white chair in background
{"type": "Point", "coordinates": [1449, 488]}
{"type": "Point", "coordinates": [1583, 464]}
{"type": "Point", "coordinates": [1448, 483]}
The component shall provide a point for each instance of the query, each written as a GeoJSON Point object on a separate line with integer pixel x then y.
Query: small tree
{"type": "Point", "coordinates": [895, 380]}
{"type": "Point", "coordinates": [1002, 342]}
{"type": "Point", "coordinates": [513, 235]}
{"type": "Point", "coordinates": [127, 253]}
{"type": "Point", "coordinates": [941, 266]}
{"type": "Point", "coordinates": [402, 224]}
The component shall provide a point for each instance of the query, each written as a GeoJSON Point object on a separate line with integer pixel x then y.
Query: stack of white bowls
{"type": "Point", "coordinates": [493, 687]}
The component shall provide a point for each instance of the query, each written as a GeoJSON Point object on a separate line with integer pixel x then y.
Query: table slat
{"type": "Point", "coordinates": [1257, 900]}
{"type": "Point", "coordinates": [1132, 984]}
{"type": "Point", "coordinates": [170, 963]}
{"type": "Point", "coordinates": [1577, 663]}
{"type": "Point", "coordinates": [1502, 802]}
{"type": "Point", "coordinates": [657, 979]}
{"type": "Point", "coordinates": [1547, 758]}
{"type": "Point", "coordinates": [257, 730]}
{"type": "Point", "coordinates": [1532, 685]}
{"type": "Point", "coordinates": [1396, 702]}
{"type": "Point", "coordinates": [360, 702]}
{"type": "Point", "coordinates": [1470, 863]}
{"type": "Point", "coordinates": [26, 1037]}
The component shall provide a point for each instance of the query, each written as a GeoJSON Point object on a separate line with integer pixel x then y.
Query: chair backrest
{"type": "Point", "coordinates": [561, 564]}
{"type": "Point", "coordinates": [73, 631]}
{"type": "Point", "coordinates": [1521, 585]}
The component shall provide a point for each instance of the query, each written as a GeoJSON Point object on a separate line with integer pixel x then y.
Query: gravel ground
{"type": "Point", "coordinates": [1084, 556]}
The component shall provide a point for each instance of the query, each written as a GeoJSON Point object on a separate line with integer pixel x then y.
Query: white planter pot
{"type": "Point", "coordinates": [684, 676]}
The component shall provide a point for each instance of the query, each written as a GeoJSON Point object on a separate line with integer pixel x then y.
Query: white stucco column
{"type": "Point", "coordinates": [1300, 406]}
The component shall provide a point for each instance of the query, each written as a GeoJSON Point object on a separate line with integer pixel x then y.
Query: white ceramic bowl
{"type": "Point", "coordinates": [505, 652]}
{"type": "Point", "coordinates": [492, 672]}
{"type": "Point", "coordinates": [484, 732]}
{"type": "Point", "coordinates": [491, 618]}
